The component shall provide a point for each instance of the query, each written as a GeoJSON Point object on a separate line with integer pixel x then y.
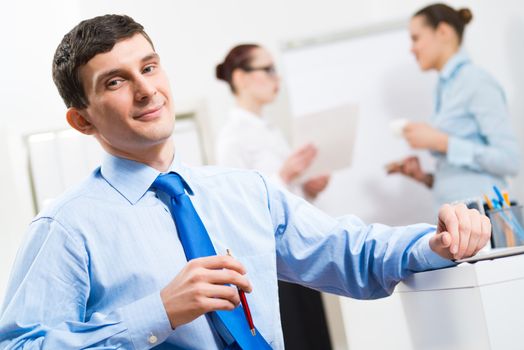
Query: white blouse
{"type": "Point", "coordinates": [248, 141]}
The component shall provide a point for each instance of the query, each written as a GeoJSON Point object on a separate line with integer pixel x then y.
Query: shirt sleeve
{"type": "Point", "coordinates": [345, 256]}
{"type": "Point", "coordinates": [499, 154]}
{"type": "Point", "coordinates": [48, 294]}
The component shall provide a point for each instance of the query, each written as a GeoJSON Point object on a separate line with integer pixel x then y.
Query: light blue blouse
{"type": "Point", "coordinates": [470, 107]}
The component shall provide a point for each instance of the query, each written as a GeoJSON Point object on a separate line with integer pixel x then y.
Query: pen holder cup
{"type": "Point", "coordinates": [507, 227]}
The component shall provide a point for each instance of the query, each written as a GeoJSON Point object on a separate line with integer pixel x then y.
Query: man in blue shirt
{"type": "Point", "coordinates": [103, 266]}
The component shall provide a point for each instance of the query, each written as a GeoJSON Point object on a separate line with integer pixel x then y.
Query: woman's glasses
{"type": "Point", "coordinates": [270, 70]}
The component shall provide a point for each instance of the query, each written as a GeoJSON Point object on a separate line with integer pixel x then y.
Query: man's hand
{"type": "Point", "coordinates": [461, 232]}
{"type": "Point", "coordinates": [200, 288]}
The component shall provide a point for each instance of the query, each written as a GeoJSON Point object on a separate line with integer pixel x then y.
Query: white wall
{"type": "Point", "coordinates": [192, 37]}
{"type": "Point", "coordinates": [29, 33]}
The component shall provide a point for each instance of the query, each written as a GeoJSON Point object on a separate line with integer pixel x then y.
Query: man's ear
{"type": "Point", "coordinates": [79, 121]}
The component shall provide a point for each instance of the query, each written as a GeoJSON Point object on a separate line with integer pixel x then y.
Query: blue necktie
{"type": "Point", "coordinates": [231, 325]}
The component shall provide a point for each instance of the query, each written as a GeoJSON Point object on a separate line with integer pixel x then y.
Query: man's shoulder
{"type": "Point", "coordinates": [242, 182]}
{"type": "Point", "coordinates": [214, 173]}
{"type": "Point", "coordinates": [91, 189]}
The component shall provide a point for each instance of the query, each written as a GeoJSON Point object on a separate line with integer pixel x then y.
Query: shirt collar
{"type": "Point", "coordinates": [133, 179]}
{"type": "Point", "coordinates": [453, 65]}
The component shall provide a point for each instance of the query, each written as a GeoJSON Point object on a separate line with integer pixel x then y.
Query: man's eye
{"type": "Point", "coordinates": [149, 69]}
{"type": "Point", "coordinates": [114, 83]}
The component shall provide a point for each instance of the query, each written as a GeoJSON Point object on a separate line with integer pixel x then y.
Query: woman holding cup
{"type": "Point", "coordinates": [469, 133]}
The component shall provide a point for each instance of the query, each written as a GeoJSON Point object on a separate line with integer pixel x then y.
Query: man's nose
{"type": "Point", "coordinates": [144, 89]}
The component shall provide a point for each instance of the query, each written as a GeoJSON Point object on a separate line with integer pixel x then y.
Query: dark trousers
{"type": "Point", "coordinates": [303, 319]}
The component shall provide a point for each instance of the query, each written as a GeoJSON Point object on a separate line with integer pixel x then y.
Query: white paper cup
{"type": "Point", "coordinates": [397, 126]}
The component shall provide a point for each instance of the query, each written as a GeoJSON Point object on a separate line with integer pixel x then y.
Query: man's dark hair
{"type": "Point", "coordinates": [83, 42]}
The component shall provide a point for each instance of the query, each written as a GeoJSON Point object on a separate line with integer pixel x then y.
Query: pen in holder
{"type": "Point", "coordinates": [507, 226]}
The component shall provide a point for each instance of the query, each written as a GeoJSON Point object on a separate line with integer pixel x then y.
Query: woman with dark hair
{"type": "Point", "coordinates": [469, 132]}
{"type": "Point", "coordinates": [248, 141]}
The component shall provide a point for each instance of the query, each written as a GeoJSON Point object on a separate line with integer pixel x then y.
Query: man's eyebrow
{"type": "Point", "coordinates": [118, 71]}
{"type": "Point", "coordinates": [152, 56]}
{"type": "Point", "coordinates": [107, 74]}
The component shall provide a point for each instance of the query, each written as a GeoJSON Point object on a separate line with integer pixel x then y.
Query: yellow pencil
{"type": "Point", "coordinates": [488, 201]}
{"type": "Point", "coordinates": [506, 198]}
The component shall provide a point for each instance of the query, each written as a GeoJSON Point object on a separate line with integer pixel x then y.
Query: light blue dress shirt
{"type": "Point", "coordinates": [470, 107]}
{"type": "Point", "coordinates": [91, 268]}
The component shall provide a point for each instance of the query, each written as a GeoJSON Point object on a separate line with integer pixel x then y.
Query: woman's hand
{"type": "Point", "coordinates": [410, 167]}
{"type": "Point", "coordinates": [315, 185]}
{"type": "Point", "coordinates": [424, 136]}
{"type": "Point", "coordinates": [298, 162]}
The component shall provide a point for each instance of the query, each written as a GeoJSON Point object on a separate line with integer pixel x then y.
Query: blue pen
{"type": "Point", "coordinates": [499, 195]}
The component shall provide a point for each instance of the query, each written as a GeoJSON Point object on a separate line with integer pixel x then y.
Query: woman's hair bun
{"type": "Point", "coordinates": [238, 57]}
{"type": "Point", "coordinates": [465, 14]}
{"type": "Point", "coordinates": [220, 71]}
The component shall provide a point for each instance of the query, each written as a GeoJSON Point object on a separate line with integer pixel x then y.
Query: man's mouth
{"type": "Point", "coordinates": [150, 113]}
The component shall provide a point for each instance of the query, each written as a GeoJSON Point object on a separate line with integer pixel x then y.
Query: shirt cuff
{"type": "Point", "coordinates": [461, 152]}
{"type": "Point", "coordinates": [427, 258]}
{"type": "Point", "coordinates": [147, 322]}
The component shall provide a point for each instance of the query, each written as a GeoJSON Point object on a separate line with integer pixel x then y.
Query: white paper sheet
{"type": "Point", "coordinates": [333, 132]}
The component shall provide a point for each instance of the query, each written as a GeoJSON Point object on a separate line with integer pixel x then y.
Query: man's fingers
{"type": "Point", "coordinates": [485, 232]}
{"type": "Point", "coordinates": [214, 304]}
{"type": "Point", "coordinates": [223, 269]}
{"type": "Point", "coordinates": [464, 227]}
{"type": "Point", "coordinates": [476, 233]}
{"type": "Point", "coordinates": [448, 221]}
{"type": "Point", "coordinates": [229, 277]}
{"type": "Point", "coordinates": [444, 239]}
{"type": "Point", "coordinates": [220, 262]}
{"type": "Point", "coordinates": [461, 232]}
{"type": "Point", "coordinates": [217, 291]}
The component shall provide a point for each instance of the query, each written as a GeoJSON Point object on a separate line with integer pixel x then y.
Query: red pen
{"type": "Point", "coordinates": [245, 306]}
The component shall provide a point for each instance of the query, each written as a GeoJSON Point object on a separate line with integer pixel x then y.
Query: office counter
{"type": "Point", "coordinates": [471, 306]}
{"type": "Point", "coordinates": [476, 306]}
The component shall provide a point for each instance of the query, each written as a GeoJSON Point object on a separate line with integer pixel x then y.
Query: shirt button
{"type": "Point", "coordinates": [152, 339]}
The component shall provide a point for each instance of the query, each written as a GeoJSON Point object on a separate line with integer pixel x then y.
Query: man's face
{"type": "Point", "coordinates": [130, 105]}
